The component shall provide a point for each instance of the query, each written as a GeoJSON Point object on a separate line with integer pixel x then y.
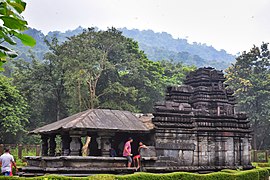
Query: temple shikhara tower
{"type": "Point", "coordinates": [197, 125]}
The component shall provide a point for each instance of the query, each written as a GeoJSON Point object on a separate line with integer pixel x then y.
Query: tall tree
{"type": "Point", "coordinates": [96, 69]}
{"type": "Point", "coordinates": [250, 78]}
{"type": "Point", "coordinates": [88, 56]}
{"type": "Point", "coordinates": [34, 82]}
{"type": "Point", "coordinates": [13, 111]}
{"type": "Point", "coordinates": [54, 61]}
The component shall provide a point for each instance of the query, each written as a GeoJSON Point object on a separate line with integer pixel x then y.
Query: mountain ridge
{"type": "Point", "coordinates": [157, 46]}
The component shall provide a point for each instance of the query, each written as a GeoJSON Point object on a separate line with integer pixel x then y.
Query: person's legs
{"type": "Point", "coordinates": [6, 173]}
{"type": "Point", "coordinates": [138, 163]}
{"type": "Point", "coordinates": [134, 160]}
{"type": "Point", "coordinates": [129, 161]}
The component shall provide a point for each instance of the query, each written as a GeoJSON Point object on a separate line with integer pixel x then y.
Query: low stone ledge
{"type": "Point", "coordinates": [34, 171]}
{"type": "Point", "coordinates": [149, 158]}
{"type": "Point", "coordinates": [76, 162]}
{"type": "Point", "coordinates": [74, 158]}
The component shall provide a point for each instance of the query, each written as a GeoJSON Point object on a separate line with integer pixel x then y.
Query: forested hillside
{"type": "Point", "coordinates": [163, 46]}
{"type": "Point", "coordinates": [157, 46]}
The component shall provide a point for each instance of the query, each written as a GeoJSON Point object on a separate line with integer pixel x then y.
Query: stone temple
{"type": "Point", "coordinates": [196, 128]}
{"type": "Point", "coordinates": [197, 125]}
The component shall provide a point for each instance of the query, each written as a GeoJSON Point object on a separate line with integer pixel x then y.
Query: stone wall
{"type": "Point", "coordinates": [197, 124]}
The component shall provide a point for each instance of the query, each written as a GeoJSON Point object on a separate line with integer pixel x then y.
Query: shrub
{"type": "Point", "coordinates": [254, 174]}
{"type": "Point", "coordinates": [102, 177]}
{"type": "Point", "coordinates": [229, 170]}
{"type": "Point", "coordinates": [263, 164]}
{"type": "Point", "coordinates": [268, 169]}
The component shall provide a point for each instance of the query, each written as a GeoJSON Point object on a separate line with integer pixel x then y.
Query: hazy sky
{"type": "Point", "coordinates": [233, 25]}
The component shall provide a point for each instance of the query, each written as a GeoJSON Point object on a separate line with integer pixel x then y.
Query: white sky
{"type": "Point", "coordinates": [233, 25]}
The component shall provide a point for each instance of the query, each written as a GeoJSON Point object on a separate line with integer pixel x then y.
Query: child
{"type": "Point", "coordinates": [137, 157]}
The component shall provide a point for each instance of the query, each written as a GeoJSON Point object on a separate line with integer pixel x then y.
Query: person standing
{"type": "Point", "coordinates": [5, 161]}
{"type": "Point", "coordinates": [127, 151]}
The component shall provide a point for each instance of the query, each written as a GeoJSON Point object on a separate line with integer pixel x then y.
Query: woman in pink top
{"type": "Point", "coordinates": [127, 151]}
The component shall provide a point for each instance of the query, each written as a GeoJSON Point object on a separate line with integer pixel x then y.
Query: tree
{"type": "Point", "coordinates": [134, 88]}
{"type": "Point", "coordinates": [14, 24]}
{"type": "Point", "coordinates": [33, 80]}
{"type": "Point", "coordinates": [96, 69]}
{"type": "Point", "coordinates": [56, 72]}
{"type": "Point", "coordinates": [250, 79]}
{"type": "Point", "coordinates": [13, 111]}
{"type": "Point", "coordinates": [175, 72]}
{"type": "Point", "coordinates": [88, 57]}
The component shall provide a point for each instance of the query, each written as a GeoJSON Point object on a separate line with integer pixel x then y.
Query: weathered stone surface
{"type": "Point", "coordinates": [197, 124]}
{"type": "Point", "coordinates": [75, 145]}
{"type": "Point", "coordinates": [150, 151]}
{"type": "Point", "coordinates": [176, 146]}
{"type": "Point", "coordinates": [71, 165]}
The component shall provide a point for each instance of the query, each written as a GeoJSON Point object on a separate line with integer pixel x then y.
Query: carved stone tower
{"type": "Point", "coordinates": [198, 127]}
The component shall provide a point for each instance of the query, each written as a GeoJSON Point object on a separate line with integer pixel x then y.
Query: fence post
{"type": "Point", "coordinates": [37, 150]}
{"type": "Point", "coordinates": [1, 149]}
{"type": "Point", "coordinates": [20, 151]}
{"type": "Point", "coordinates": [266, 156]}
{"type": "Point", "coordinates": [255, 156]}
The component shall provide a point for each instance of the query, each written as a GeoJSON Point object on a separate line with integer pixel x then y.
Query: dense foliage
{"type": "Point", "coordinates": [13, 111]}
{"type": "Point", "coordinates": [13, 25]}
{"type": "Point", "coordinates": [94, 69]}
{"type": "Point", "coordinates": [157, 46]}
{"type": "Point", "coordinates": [250, 79]}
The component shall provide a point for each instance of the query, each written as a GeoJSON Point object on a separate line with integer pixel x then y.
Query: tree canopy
{"type": "Point", "coordinates": [250, 78]}
{"type": "Point", "coordinates": [13, 111]}
{"type": "Point", "coordinates": [95, 69]}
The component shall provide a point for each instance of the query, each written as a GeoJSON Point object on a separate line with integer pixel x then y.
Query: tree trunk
{"type": "Point", "coordinates": [92, 89]}
{"type": "Point", "coordinates": [85, 150]}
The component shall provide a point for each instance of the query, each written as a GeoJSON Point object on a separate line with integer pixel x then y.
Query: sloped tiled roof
{"type": "Point", "coordinates": [96, 119]}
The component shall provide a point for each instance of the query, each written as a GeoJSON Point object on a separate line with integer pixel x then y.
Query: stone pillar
{"type": "Point", "coordinates": [105, 143]}
{"type": "Point", "coordinates": [249, 149]}
{"type": "Point", "coordinates": [65, 144]}
{"type": "Point", "coordinates": [230, 157]}
{"type": "Point", "coordinates": [44, 145]}
{"type": "Point", "coordinates": [236, 151]}
{"type": "Point", "coordinates": [52, 145]}
{"type": "Point", "coordinates": [245, 151]}
{"type": "Point", "coordinates": [75, 145]}
{"type": "Point", "coordinates": [218, 149]}
{"type": "Point", "coordinates": [223, 151]}
{"type": "Point", "coordinates": [203, 153]}
{"type": "Point", "coordinates": [211, 149]}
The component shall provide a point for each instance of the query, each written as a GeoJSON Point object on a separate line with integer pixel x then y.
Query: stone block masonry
{"type": "Point", "coordinates": [197, 125]}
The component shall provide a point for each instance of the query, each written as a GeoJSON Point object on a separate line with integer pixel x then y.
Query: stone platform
{"type": "Point", "coordinates": [86, 166]}
{"type": "Point", "coordinates": [75, 166]}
